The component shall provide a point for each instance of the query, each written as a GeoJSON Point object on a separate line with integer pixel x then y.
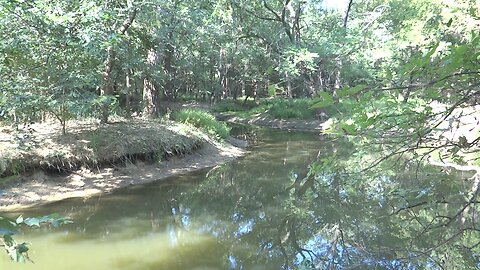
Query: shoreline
{"type": "Point", "coordinates": [40, 188]}
{"type": "Point", "coordinates": [281, 124]}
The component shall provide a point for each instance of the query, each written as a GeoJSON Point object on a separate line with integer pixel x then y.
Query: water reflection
{"type": "Point", "coordinates": [263, 211]}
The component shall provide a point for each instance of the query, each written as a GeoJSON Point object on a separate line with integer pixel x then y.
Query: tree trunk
{"type": "Point", "coordinates": [128, 94]}
{"type": "Point", "coordinates": [288, 82]}
{"type": "Point", "coordinates": [150, 91]}
{"type": "Point", "coordinates": [107, 88]}
{"type": "Point", "coordinates": [347, 13]}
{"type": "Point", "coordinates": [338, 80]}
{"type": "Point", "coordinates": [168, 67]}
{"type": "Point", "coordinates": [222, 75]}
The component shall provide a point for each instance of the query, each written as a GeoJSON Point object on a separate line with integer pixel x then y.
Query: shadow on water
{"type": "Point", "coordinates": [247, 214]}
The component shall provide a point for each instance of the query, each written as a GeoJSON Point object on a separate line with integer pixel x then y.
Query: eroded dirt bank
{"type": "Point", "coordinates": [40, 188]}
{"type": "Point", "coordinates": [40, 166]}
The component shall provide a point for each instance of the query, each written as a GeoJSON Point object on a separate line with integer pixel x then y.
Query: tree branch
{"type": "Point", "coordinates": [346, 14]}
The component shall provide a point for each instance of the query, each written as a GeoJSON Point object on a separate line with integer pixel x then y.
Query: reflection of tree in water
{"type": "Point", "coordinates": [255, 213]}
{"type": "Point", "coordinates": [330, 219]}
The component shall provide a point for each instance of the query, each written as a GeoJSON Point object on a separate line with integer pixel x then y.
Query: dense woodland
{"type": "Point", "coordinates": [398, 79]}
{"type": "Point", "coordinates": [93, 58]}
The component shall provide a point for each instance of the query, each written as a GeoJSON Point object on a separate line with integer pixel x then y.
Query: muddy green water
{"type": "Point", "coordinates": [241, 215]}
{"type": "Point", "coordinates": [220, 218]}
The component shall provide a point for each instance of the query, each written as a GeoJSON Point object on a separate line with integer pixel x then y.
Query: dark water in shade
{"type": "Point", "coordinates": [226, 217]}
{"type": "Point", "coordinates": [242, 215]}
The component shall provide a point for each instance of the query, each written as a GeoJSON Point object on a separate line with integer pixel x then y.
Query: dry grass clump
{"type": "Point", "coordinates": [91, 144]}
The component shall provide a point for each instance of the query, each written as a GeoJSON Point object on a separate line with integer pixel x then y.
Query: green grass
{"type": "Point", "coordinates": [204, 121]}
{"type": "Point", "coordinates": [272, 108]}
{"type": "Point", "coordinates": [290, 108]}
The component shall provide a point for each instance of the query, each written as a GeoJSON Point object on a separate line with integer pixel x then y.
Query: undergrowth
{"type": "Point", "coordinates": [204, 121]}
{"type": "Point", "coordinates": [290, 108]}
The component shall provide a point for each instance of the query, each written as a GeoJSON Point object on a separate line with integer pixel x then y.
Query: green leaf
{"type": "Point", "coordinates": [326, 100]}
{"type": "Point", "coordinates": [19, 220]}
{"type": "Point", "coordinates": [348, 129]}
{"type": "Point", "coordinates": [32, 222]}
{"type": "Point", "coordinates": [449, 23]}
{"type": "Point", "coordinates": [7, 226]}
{"type": "Point", "coordinates": [22, 248]}
{"type": "Point", "coordinates": [431, 52]}
{"type": "Point", "coordinates": [8, 240]}
{"type": "Point", "coordinates": [350, 91]}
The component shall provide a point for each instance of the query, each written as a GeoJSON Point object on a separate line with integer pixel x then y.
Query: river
{"type": "Point", "coordinates": [241, 215]}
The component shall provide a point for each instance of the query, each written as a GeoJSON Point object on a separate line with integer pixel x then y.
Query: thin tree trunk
{"type": "Point", "coordinates": [150, 91]}
{"type": "Point", "coordinates": [128, 94]}
{"type": "Point", "coordinates": [168, 67]}
{"type": "Point", "coordinates": [107, 88]}
{"type": "Point", "coordinates": [289, 85]}
{"type": "Point", "coordinates": [338, 80]}
{"type": "Point", "coordinates": [347, 13]}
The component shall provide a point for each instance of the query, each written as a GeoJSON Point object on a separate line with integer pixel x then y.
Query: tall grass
{"type": "Point", "coordinates": [289, 108]}
{"type": "Point", "coordinates": [204, 121]}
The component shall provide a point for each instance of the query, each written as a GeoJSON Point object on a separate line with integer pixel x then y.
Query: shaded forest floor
{"type": "Point", "coordinates": [38, 164]}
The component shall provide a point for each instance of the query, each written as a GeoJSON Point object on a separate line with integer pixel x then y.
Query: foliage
{"type": "Point", "coordinates": [400, 76]}
{"type": "Point", "coordinates": [204, 121]}
{"type": "Point", "coordinates": [286, 109]}
{"type": "Point", "coordinates": [229, 106]}
{"type": "Point", "coordinates": [18, 252]}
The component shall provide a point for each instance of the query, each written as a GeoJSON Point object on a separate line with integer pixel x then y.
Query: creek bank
{"type": "Point", "coordinates": [312, 125]}
{"type": "Point", "coordinates": [292, 125]}
{"type": "Point", "coordinates": [93, 159]}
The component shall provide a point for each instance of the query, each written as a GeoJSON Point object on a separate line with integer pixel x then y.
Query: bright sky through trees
{"type": "Point", "coordinates": [335, 4]}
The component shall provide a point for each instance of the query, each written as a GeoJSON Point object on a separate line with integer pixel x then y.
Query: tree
{"type": "Point", "coordinates": [108, 84]}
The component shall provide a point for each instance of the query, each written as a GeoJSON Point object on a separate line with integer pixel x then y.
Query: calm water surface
{"type": "Point", "coordinates": [227, 217]}
{"type": "Point", "coordinates": [245, 215]}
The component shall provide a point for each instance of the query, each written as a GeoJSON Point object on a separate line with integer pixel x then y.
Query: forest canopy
{"type": "Point", "coordinates": [77, 58]}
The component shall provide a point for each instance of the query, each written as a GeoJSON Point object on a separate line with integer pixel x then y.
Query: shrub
{"type": "Point", "coordinates": [291, 108]}
{"type": "Point", "coordinates": [204, 121]}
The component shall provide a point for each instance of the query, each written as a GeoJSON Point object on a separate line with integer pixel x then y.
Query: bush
{"type": "Point", "coordinates": [291, 108]}
{"type": "Point", "coordinates": [204, 121]}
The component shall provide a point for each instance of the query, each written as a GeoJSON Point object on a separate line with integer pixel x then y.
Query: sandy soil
{"type": "Point", "coordinates": [40, 188]}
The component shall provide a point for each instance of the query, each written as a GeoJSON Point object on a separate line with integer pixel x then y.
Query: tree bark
{"type": "Point", "coordinates": [169, 68]}
{"type": "Point", "coordinates": [107, 88]}
{"type": "Point", "coordinates": [150, 91]}
{"type": "Point", "coordinates": [128, 94]}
